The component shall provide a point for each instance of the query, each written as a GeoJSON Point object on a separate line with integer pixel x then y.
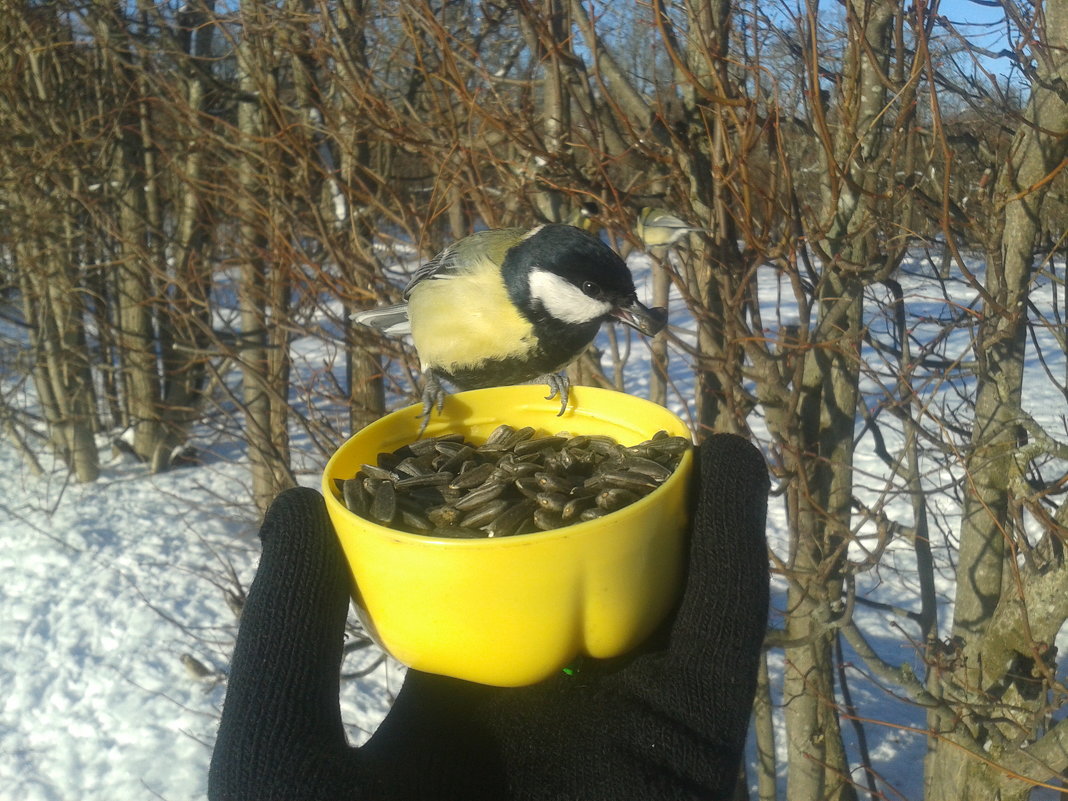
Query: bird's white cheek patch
{"type": "Point", "coordinates": [563, 300]}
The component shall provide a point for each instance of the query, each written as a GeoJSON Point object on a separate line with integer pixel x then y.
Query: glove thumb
{"type": "Point", "coordinates": [281, 720]}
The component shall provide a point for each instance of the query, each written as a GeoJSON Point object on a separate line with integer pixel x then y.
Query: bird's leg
{"type": "Point", "coordinates": [559, 384]}
{"type": "Point", "coordinates": [433, 397]}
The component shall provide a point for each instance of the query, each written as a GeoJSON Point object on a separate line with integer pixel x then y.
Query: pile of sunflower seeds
{"type": "Point", "coordinates": [513, 483]}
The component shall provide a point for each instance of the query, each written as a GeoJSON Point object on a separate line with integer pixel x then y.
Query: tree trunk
{"type": "Point", "coordinates": [993, 662]}
{"type": "Point", "coordinates": [185, 340]}
{"type": "Point", "coordinates": [53, 310]}
{"type": "Point", "coordinates": [548, 37]}
{"type": "Point", "coordinates": [262, 293]}
{"type": "Point", "coordinates": [701, 68]}
{"type": "Point", "coordinates": [363, 365]}
{"type": "Point", "coordinates": [821, 509]}
{"type": "Point", "coordinates": [137, 299]}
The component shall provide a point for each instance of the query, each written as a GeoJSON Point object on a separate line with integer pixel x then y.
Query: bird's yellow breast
{"type": "Point", "coordinates": [467, 319]}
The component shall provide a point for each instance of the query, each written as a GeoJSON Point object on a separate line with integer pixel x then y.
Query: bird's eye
{"type": "Point", "coordinates": [592, 290]}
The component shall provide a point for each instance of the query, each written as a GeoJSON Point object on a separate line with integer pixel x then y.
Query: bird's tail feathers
{"type": "Point", "coordinates": [390, 320]}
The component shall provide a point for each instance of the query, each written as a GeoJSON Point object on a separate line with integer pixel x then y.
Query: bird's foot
{"type": "Point", "coordinates": [433, 399]}
{"type": "Point", "coordinates": [558, 385]}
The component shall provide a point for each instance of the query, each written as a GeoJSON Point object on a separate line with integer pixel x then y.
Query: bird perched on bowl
{"type": "Point", "coordinates": [512, 306]}
{"type": "Point", "coordinates": [660, 227]}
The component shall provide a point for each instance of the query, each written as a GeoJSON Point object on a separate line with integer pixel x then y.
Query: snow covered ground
{"type": "Point", "coordinates": [109, 591]}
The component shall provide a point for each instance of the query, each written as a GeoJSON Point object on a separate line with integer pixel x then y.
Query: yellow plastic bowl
{"type": "Point", "coordinates": [515, 610]}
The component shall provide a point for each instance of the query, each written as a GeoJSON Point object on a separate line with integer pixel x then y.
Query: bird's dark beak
{"type": "Point", "coordinates": [648, 321]}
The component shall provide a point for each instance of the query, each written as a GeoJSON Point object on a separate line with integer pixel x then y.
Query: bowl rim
{"type": "Point", "coordinates": [681, 473]}
{"type": "Point", "coordinates": [516, 540]}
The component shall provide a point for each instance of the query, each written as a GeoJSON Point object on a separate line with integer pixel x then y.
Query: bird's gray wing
{"type": "Point", "coordinates": [463, 253]}
{"type": "Point", "coordinates": [440, 266]}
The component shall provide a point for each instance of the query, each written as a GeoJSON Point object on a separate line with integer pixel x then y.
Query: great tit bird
{"type": "Point", "coordinates": [512, 306]}
{"type": "Point", "coordinates": [585, 216]}
{"type": "Point", "coordinates": [660, 228]}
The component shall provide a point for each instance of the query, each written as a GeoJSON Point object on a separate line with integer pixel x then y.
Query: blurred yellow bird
{"type": "Point", "coordinates": [585, 216]}
{"type": "Point", "coordinates": [658, 227]}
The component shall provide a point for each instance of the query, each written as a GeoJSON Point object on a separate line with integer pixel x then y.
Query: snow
{"type": "Point", "coordinates": [109, 588]}
{"type": "Point", "coordinates": [97, 581]}
{"type": "Point", "coordinates": [104, 588]}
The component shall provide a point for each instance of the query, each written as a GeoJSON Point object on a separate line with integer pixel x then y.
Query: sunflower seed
{"type": "Point", "coordinates": [606, 446]}
{"type": "Point", "coordinates": [480, 495]}
{"type": "Point", "coordinates": [649, 467]}
{"type": "Point", "coordinates": [532, 445]}
{"type": "Point", "coordinates": [371, 485]}
{"type": "Point", "coordinates": [454, 462]}
{"type": "Point", "coordinates": [550, 482]}
{"type": "Point", "coordinates": [499, 433]}
{"type": "Point", "coordinates": [546, 519]}
{"type": "Point", "coordinates": [388, 461]}
{"type": "Point", "coordinates": [553, 501]}
{"type": "Point", "coordinates": [384, 503]}
{"type": "Point", "coordinates": [583, 458]}
{"type": "Point", "coordinates": [672, 445]}
{"type": "Point", "coordinates": [575, 506]}
{"type": "Point", "coordinates": [424, 446]}
{"type": "Point", "coordinates": [615, 498]}
{"type": "Point", "coordinates": [473, 477]}
{"type": "Point", "coordinates": [354, 496]}
{"type": "Point", "coordinates": [497, 441]}
{"type": "Point", "coordinates": [637, 482]}
{"type": "Point", "coordinates": [642, 449]}
{"type": "Point", "coordinates": [513, 519]}
{"type": "Point", "coordinates": [528, 486]}
{"type": "Point", "coordinates": [485, 514]}
{"type": "Point", "coordinates": [417, 465]}
{"type": "Point", "coordinates": [373, 471]}
{"type": "Point", "coordinates": [444, 515]}
{"type": "Point", "coordinates": [436, 444]}
{"type": "Point", "coordinates": [415, 521]}
{"type": "Point", "coordinates": [515, 437]}
{"type": "Point", "coordinates": [451, 444]}
{"type": "Point", "coordinates": [560, 462]}
{"type": "Point", "coordinates": [425, 480]}
{"type": "Point", "coordinates": [519, 469]}
{"type": "Point", "coordinates": [425, 497]}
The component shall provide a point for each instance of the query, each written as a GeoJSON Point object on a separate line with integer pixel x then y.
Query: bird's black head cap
{"type": "Point", "coordinates": [570, 253]}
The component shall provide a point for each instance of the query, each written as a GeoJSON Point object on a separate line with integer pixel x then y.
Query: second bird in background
{"type": "Point", "coordinates": [587, 217]}
{"type": "Point", "coordinates": [512, 306]}
{"type": "Point", "coordinates": [660, 228]}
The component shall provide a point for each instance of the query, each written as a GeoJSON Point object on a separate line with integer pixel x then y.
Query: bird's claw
{"type": "Point", "coordinates": [433, 399]}
{"type": "Point", "coordinates": [558, 385]}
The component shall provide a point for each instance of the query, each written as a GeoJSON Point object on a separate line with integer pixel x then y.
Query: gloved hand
{"type": "Point", "coordinates": [667, 721]}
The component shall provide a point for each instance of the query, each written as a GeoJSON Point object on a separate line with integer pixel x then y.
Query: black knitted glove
{"type": "Point", "coordinates": [665, 722]}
